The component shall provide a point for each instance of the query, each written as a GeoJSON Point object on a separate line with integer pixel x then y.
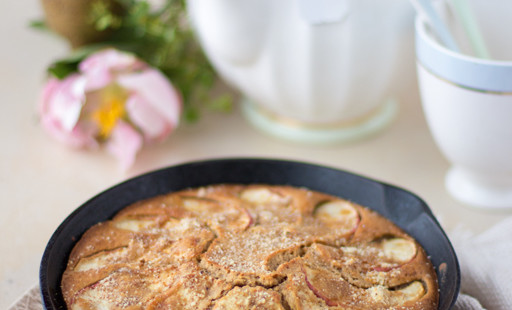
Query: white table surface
{"type": "Point", "coordinates": [41, 181]}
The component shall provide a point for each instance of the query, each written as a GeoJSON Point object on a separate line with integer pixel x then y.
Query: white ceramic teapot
{"type": "Point", "coordinates": [310, 70]}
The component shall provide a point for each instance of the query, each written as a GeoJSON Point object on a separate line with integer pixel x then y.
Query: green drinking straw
{"type": "Point", "coordinates": [471, 28]}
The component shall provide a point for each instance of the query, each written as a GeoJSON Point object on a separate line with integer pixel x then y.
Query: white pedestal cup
{"type": "Point", "coordinates": [468, 106]}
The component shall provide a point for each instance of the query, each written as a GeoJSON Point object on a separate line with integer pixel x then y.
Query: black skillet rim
{"type": "Point", "coordinates": [250, 171]}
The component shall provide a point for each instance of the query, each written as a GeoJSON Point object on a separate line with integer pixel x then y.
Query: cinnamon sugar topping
{"type": "Point", "coordinates": [248, 247]}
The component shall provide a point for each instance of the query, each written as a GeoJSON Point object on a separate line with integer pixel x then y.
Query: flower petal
{"type": "Point", "coordinates": [109, 59]}
{"type": "Point", "coordinates": [147, 119]}
{"type": "Point", "coordinates": [79, 137]}
{"type": "Point", "coordinates": [101, 67]}
{"type": "Point", "coordinates": [60, 106]}
{"type": "Point", "coordinates": [157, 91]}
{"type": "Point", "coordinates": [51, 86]}
{"type": "Point", "coordinates": [68, 100]}
{"type": "Point", "coordinates": [124, 143]}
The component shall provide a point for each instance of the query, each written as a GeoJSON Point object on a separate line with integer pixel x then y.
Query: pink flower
{"type": "Point", "coordinates": [115, 99]}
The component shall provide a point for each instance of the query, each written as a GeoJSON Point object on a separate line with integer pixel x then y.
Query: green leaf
{"type": "Point", "coordinates": [66, 66]}
{"type": "Point", "coordinates": [223, 103]}
{"type": "Point", "coordinates": [39, 25]}
{"type": "Point", "coordinates": [62, 69]}
{"type": "Point", "coordinates": [104, 22]}
{"type": "Point", "coordinates": [191, 115]}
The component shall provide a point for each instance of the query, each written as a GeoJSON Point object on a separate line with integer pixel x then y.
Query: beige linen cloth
{"type": "Point", "coordinates": [485, 263]}
{"type": "Point", "coordinates": [486, 267]}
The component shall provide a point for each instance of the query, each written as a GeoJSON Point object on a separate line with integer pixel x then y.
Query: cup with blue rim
{"type": "Point", "coordinates": [467, 102]}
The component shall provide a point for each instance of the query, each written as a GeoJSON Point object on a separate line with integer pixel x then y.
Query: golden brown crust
{"type": "Point", "coordinates": [248, 247]}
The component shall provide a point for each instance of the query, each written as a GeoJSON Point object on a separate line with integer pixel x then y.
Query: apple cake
{"type": "Point", "coordinates": [248, 247]}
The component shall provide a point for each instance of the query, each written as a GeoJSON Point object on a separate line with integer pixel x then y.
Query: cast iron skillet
{"type": "Point", "coordinates": [402, 207]}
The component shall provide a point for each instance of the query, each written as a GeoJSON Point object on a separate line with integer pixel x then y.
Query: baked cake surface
{"type": "Point", "coordinates": [248, 247]}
